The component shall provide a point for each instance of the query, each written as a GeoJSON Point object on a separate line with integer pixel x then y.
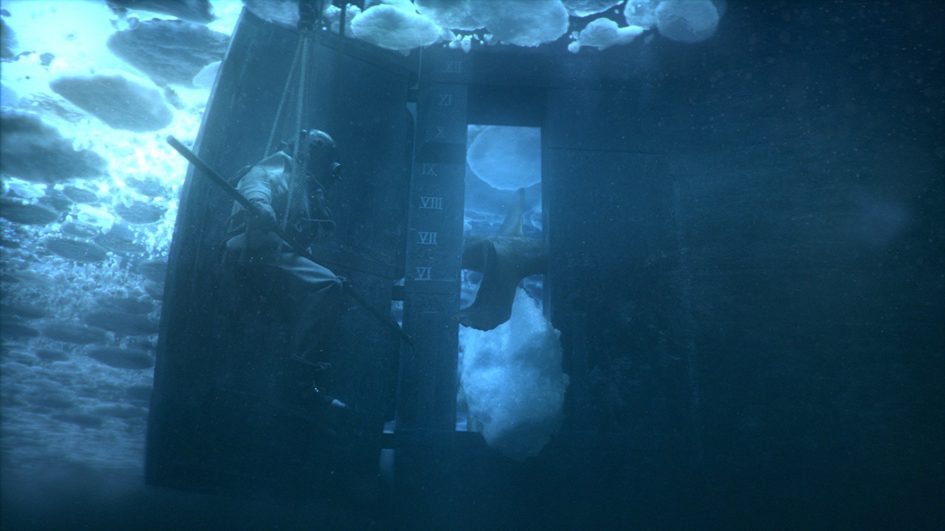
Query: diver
{"type": "Point", "coordinates": [292, 194]}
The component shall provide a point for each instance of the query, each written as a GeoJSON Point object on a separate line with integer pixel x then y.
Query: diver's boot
{"type": "Point", "coordinates": [328, 400]}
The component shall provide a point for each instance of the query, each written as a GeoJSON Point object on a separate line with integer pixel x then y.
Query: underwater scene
{"type": "Point", "coordinates": [472, 264]}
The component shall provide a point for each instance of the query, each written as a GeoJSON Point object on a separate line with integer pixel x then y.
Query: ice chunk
{"type": "Point", "coordinates": [154, 289]}
{"type": "Point", "coordinates": [34, 150]}
{"type": "Point", "coordinates": [140, 213]}
{"type": "Point", "coordinates": [507, 158]}
{"type": "Point", "coordinates": [207, 75]}
{"type": "Point", "coordinates": [462, 42]}
{"type": "Point", "coordinates": [19, 188]}
{"type": "Point", "coordinates": [122, 358]}
{"type": "Point", "coordinates": [641, 12]}
{"type": "Point", "coordinates": [76, 333]}
{"type": "Point", "coordinates": [604, 33]}
{"type": "Point", "coordinates": [195, 10]}
{"type": "Point", "coordinates": [79, 230]}
{"type": "Point", "coordinates": [120, 239]}
{"type": "Point", "coordinates": [119, 100]}
{"type": "Point", "coordinates": [79, 250]}
{"type": "Point", "coordinates": [121, 322]}
{"type": "Point", "coordinates": [333, 17]}
{"type": "Point", "coordinates": [512, 380]}
{"type": "Point", "coordinates": [453, 14]}
{"type": "Point", "coordinates": [8, 97]}
{"type": "Point", "coordinates": [395, 27]}
{"type": "Point", "coordinates": [281, 11]}
{"type": "Point", "coordinates": [128, 305]}
{"type": "Point", "coordinates": [51, 355]}
{"type": "Point", "coordinates": [80, 195]}
{"type": "Point", "coordinates": [584, 8]}
{"type": "Point", "coordinates": [56, 200]}
{"type": "Point", "coordinates": [24, 309]}
{"type": "Point", "coordinates": [153, 270]}
{"type": "Point", "coordinates": [524, 22]}
{"type": "Point", "coordinates": [687, 20]}
{"type": "Point", "coordinates": [138, 393]}
{"type": "Point", "coordinates": [13, 330]}
{"type": "Point", "coordinates": [26, 213]}
{"type": "Point", "coordinates": [94, 216]}
{"type": "Point", "coordinates": [402, 4]}
{"type": "Point", "coordinates": [7, 41]}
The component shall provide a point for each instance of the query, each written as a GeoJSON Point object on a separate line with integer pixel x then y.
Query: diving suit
{"type": "Point", "coordinates": [303, 296]}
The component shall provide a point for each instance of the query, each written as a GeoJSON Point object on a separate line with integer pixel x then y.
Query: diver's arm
{"type": "Point", "coordinates": [257, 188]}
{"type": "Point", "coordinates": [253, 233]}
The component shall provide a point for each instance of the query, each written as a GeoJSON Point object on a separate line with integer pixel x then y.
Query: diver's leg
{"type": "Point", "coordinates": [315, 295]}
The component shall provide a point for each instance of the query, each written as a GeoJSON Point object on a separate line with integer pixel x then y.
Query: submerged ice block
{"type": "Point", "coordinates": [513, 381]}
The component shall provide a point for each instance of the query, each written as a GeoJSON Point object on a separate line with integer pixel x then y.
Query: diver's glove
{"type": "Point", "coordinates": [258, 241]}
{"type": "Point", "coordinates": [264, 217]}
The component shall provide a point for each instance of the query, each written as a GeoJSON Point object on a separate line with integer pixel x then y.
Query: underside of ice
{"type": "Point", "coordinates": [524, 22]}
{"type": "Point", "coordinates": [453, 14]}
{"type": "Point", "coordinates": [402, 25]}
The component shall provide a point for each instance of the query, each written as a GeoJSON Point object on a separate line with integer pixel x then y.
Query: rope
{"type": "Point", "coordinates": [285, 94]}
{"type": "Point", "coordinates": [299, 112]}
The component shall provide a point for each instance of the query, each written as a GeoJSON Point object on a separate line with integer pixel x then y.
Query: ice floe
{"type": "Point", "coordinates": [395, 27]}
{"type": "Point", "coordinates": [602, 33]}
{"type": "Point", "coordinates": [687, 20]}
{"type": "Point", "coordinates": [36, 151]}
{"type": "Point", "coordinates": [120, 101]}
{"type": "Point", "coordinates": [507, 158]}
